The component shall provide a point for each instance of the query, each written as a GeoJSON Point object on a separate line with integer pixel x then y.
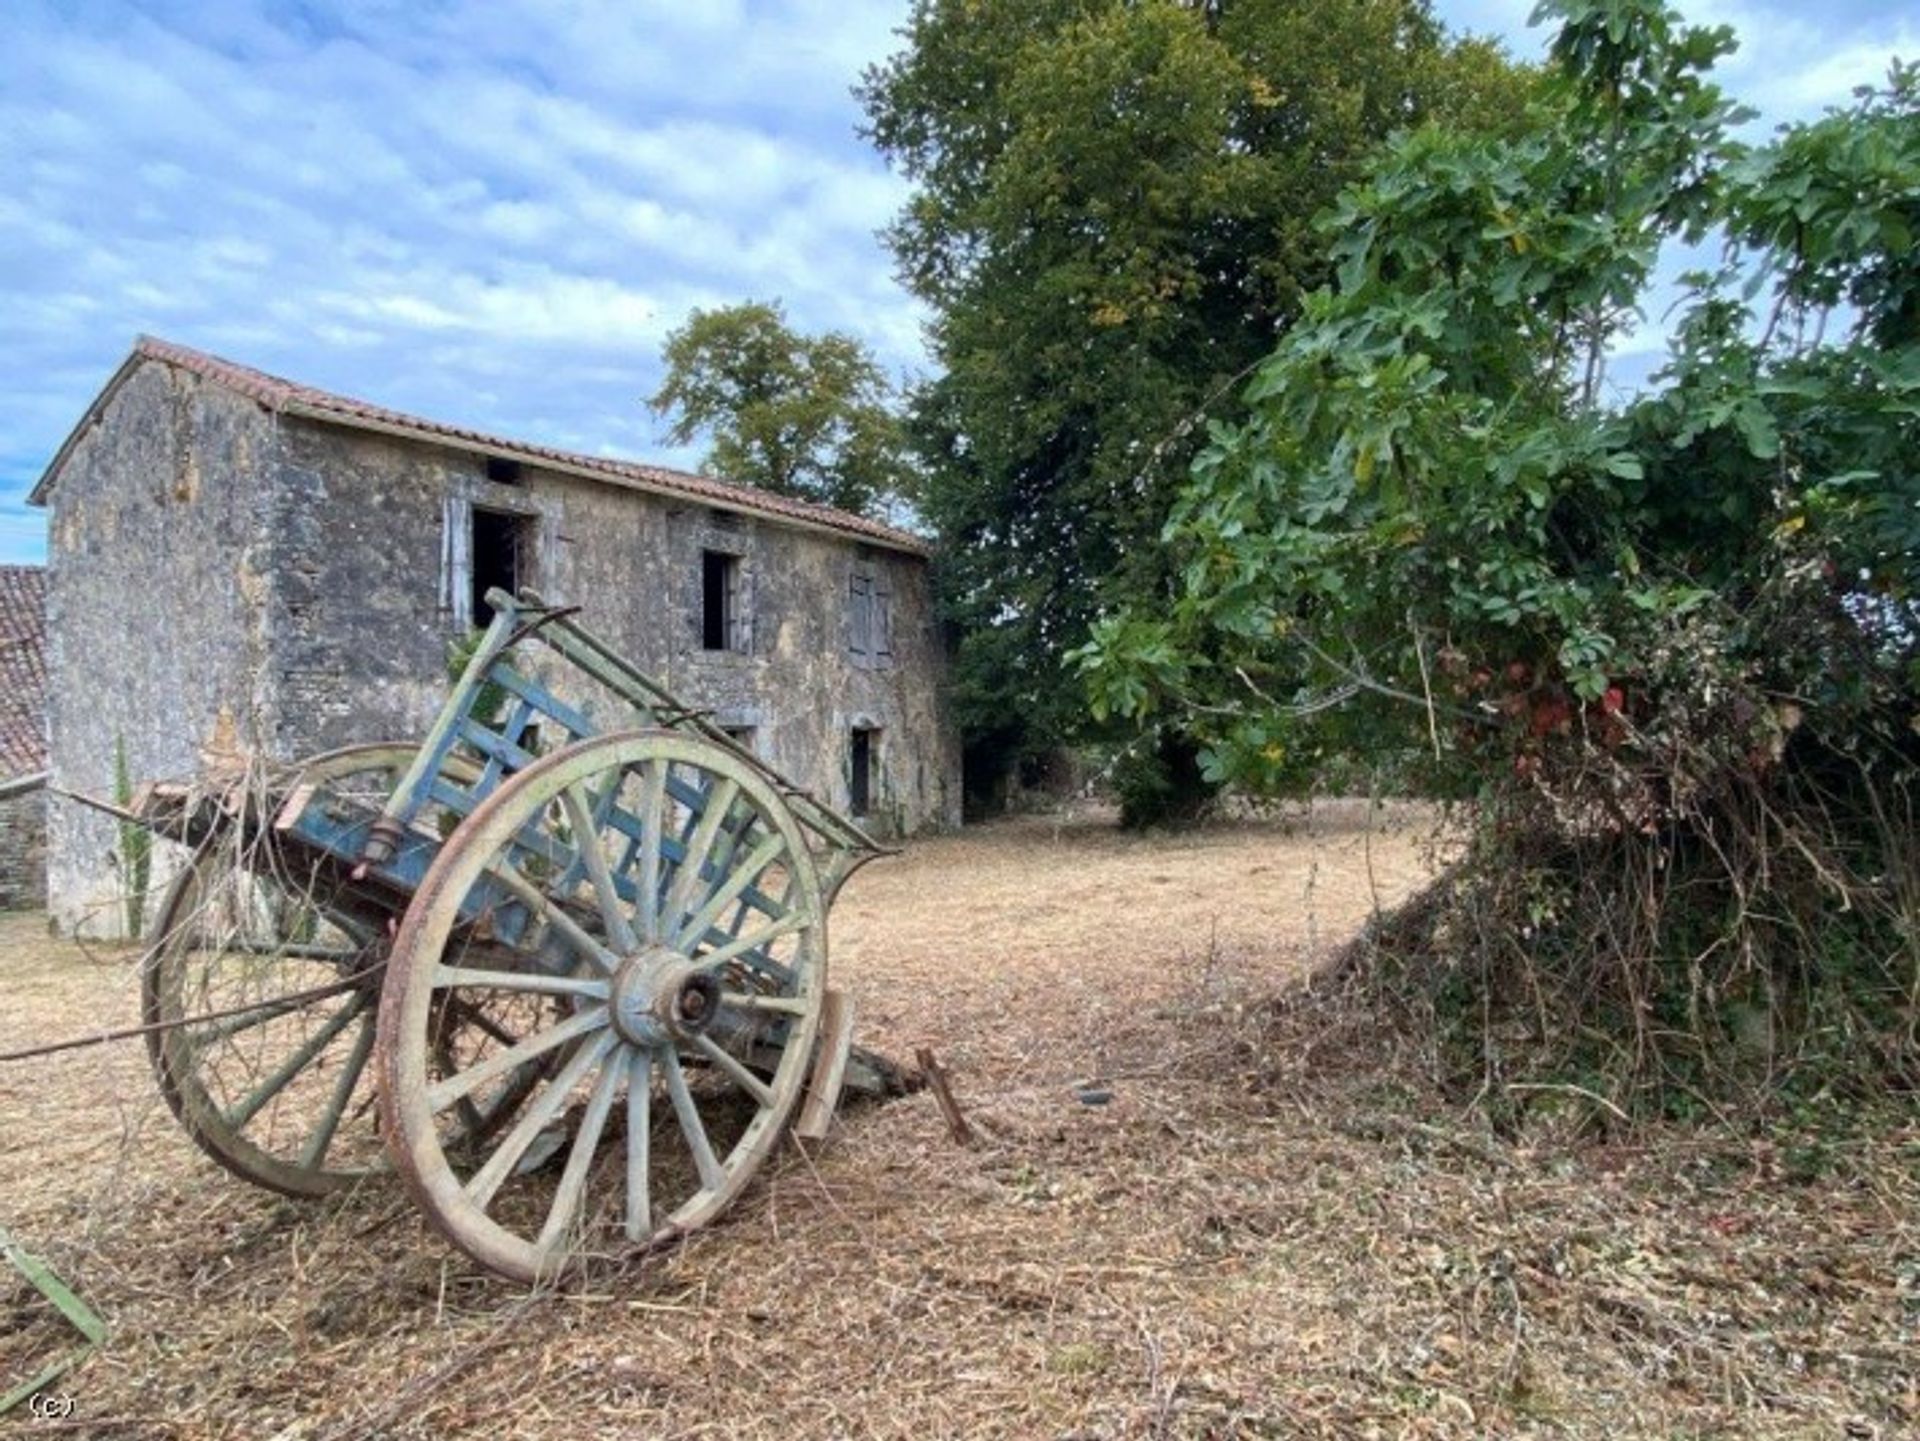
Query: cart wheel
{"type": "Point", "coordinates": [661, 889]}
{"type": "Point", "coordinates": [286, 966]}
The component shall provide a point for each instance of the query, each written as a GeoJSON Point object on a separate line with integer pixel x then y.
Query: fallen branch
{"type": "Point", "coordinates": [957, 1125]}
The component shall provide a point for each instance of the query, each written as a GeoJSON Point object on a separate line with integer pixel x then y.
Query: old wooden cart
{"type": "Point", "coordinates": [567, 978]}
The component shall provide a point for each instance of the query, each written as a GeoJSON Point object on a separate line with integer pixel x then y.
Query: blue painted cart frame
{"type": "Point", "coordinates": [570, 830]}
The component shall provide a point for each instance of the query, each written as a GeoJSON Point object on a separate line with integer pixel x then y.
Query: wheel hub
{"type": "Point", "coordinates": [659, 995]}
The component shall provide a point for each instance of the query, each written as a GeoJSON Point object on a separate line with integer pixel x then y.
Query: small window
{"type": "Point", "coordinates": [498, 545]}
{"type": "Point", "coordinates": [860, 755]}
{"type": "Point", "coordinates": [743, 736]}
{"type": "Point", "coordinates": [722, 616]}
{"type": "Point", "coordinates": [502, 471]}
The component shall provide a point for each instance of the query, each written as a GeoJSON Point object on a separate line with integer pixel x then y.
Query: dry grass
{"type": "Point", "coordinates": [1238, 1244]}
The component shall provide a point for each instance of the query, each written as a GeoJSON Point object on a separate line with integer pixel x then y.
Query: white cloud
{"type": "Point", "coordinates": [1793, 61]}
{"type": "Point", "coordinates": [1814, 82]}
{"type": "Point", "coordinates": [490, 213]}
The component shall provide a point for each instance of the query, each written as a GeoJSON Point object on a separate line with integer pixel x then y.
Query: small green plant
{"type": "Point", "coordinates": [136, 845]}
{"type": "Point", "coordinates": [492, 698]}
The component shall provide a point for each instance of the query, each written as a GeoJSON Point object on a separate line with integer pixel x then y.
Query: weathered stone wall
{"type": "Point", "coordinates": [23, 851]}
{"type": "Point", "coordinates": [156, 610]}
{"type": "Point", "coordinates": [361, 636]}
{"type": "Point", "coordinates": [362, 629]}
{"type": "Point", "coordinates": [219, 574]}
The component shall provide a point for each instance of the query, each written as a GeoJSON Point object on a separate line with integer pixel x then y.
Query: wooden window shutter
{"type": "Point", "coordinates": [882, 621]}
{"type": "Point", "coordinates": [739, 612]}
{"type": "Point", "coordinates": [860, 617]}
{"type": "Point", "coordinates": [456, 560]}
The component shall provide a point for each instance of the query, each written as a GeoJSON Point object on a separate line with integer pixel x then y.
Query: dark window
{"type": "Point", "coordinates": [742, 736]}
{"type": "Point", "coordinates": [502, 471]}
{"type": "Point", "coordinates": [497, 543]}
{"type": "Point", "coordinates": [860, 770]}
{"type": "Point", "coordinates": [721, 623]}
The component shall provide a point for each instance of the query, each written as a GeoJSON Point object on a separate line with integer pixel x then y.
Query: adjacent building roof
{"type": "Point", "coordinates": [288, 397]}
{"type": "Point", "coordinates": [23, 671]}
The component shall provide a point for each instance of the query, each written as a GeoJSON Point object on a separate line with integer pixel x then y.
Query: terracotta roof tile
{"type": "Point", "coordinates": [289, 397]}
{"type": "Point", "coordinates": [23, 670]}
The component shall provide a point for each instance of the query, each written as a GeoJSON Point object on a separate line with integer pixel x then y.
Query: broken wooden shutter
{"type": "Point", "coordinates": [739, 613]}
{"type": "Point", "coordinates": [860, 617]}
{"type": "Point", "coordinates": [456, 560]}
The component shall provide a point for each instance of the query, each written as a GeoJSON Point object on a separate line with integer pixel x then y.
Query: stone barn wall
{"type": "Point", "coordinates": [362, 619]}
{"type": "Point", "coordinates": [23, 851]}
{"type": "Point", "coordinates": [156, 611]}
{"type": "Point", "coordinates": [228, 574]}
{"type": "Point", "coordinates": [23, 737]}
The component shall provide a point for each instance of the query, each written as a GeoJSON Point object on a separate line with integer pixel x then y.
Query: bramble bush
{"type": "Point", "coordinates": [1666, 644]}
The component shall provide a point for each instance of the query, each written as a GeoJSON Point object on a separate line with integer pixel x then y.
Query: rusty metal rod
{"type": "Point", "coordinates": [291, 1002]}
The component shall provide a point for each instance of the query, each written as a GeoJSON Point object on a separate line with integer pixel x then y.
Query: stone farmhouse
{"type": "Point", "coordinates": [239, 561]}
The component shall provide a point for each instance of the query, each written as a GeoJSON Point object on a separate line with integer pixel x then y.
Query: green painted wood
{"type": "Point", "coordinates": [72, 1309]}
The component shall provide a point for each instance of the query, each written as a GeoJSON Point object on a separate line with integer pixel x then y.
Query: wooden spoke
{"type": "Point", "coordinates": [753, 940]}
{"type": "Point", "coordinates": [653, 797]}
{"type": "Point", "coordinates": [586, 1141]}
{"type": "Point", "coordinates": [744, 875]}
{"type": "Point", "coordinates": [639, 1138]}
{"type": "Point", "coordinates": [543, 1109]}
{"type": "Point", "coordinates": [204, 1036]}
{"type": "Point", "coordinates": [535, 981]}
{"type": "Point", "coordinates": [687, 878]}
{"type": "Point", "coordinates": [440, 1096]}
{"type": "Point", "coordinates": [587, 842]}
{"type": "Point", "coordinates": [530, 895]}
{"type": "Point", "coordinates": [235, 983]}
{"type": "Point", "coordinates": [712, 1177]}
{"type": "Point", "coordinates": [761, 1092]}
{"type": "Point", "coordinates": [314, 1153]}
{"type": "Point", "coordinates": [727, 844]}
{"type": "Point", "coordinates": [238, 1116]}
{"type": "Point", "coordinates": [751, 1001]}
{"type": "Point", "coordinates": [711, 858]}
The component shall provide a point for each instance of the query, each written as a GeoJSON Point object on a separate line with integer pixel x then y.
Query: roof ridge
{"type": "Point", "coordinates": [279, 394]}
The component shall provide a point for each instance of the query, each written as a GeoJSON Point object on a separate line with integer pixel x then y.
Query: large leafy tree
{"type": "Point", "coordinates": [812, 417]}
{"type": "Point", "coordinates": [1670, 643]}
{"type": "Point", "coordinates": [1111, 217]}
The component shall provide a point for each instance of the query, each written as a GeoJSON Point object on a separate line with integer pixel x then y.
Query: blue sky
{"type": "Point", "coordinates": [493, 212]}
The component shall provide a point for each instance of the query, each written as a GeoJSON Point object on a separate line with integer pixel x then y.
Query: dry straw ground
{"type": "Point", "coordinates": [1244, 1242]}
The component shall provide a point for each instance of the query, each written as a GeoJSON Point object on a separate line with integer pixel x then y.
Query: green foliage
{"type": "Point", "coordinates": [811, 417]}
{"type": "Point", "coordinates": [136, 846]}
{"type": "Point", "coordinates": [490, 701]}
{"type": "Point", "coordinates": [1426, 495]}
{"type": "Point", "coordinates": [1689, 618]}
{"type": "Point", "coordinates": [1159, 780]}
{"type": "Point", "coordinates": [1112, 214]}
